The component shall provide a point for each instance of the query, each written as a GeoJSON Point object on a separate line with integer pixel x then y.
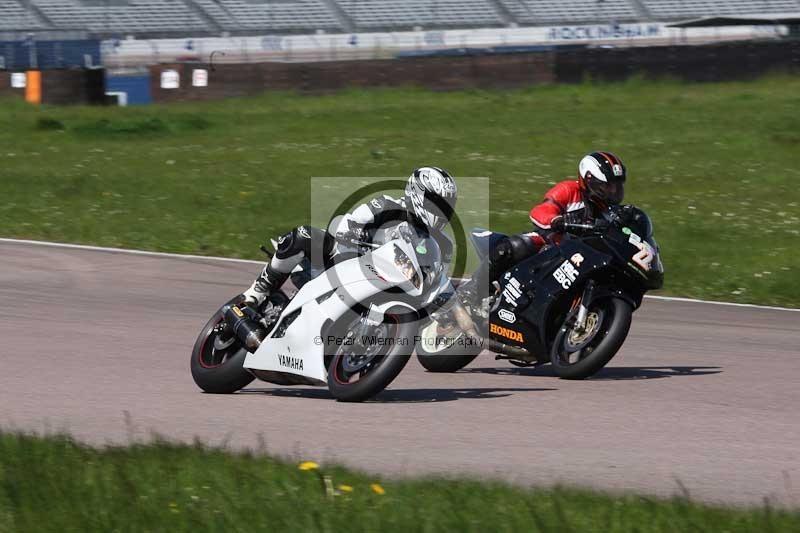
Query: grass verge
{"type": "Point", "coordinates": [54, 484]}
{"type": "Point", "coordinates": [714, 164]}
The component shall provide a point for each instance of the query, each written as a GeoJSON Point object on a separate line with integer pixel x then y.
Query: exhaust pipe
{"type": "Point", "coordinates": [248, 330]}
{"type": "Point", "coordinates": [464, 321]}
{"type": "Point", "coordinates": [512, 351]}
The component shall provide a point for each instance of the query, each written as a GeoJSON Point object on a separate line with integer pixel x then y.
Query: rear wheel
{"type": "Point", "coordinates": [218, 358]}
{"type": "Point", "coordinates": [580, 354]}
{"type": "Point", "coordinates": [444, 348]}
{"type": "Point", "coordinates": [367, 358]}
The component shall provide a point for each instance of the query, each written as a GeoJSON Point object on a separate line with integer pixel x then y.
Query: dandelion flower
{"type": "Point", "coordinates": [377, 489]}
{"type": "Point", "coordinates": [308, 465]}
{"type": "Point", "coordinates": [345, 488]}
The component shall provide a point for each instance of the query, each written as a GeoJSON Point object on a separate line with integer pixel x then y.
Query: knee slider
{"type": "Point", "coordinates": [286, 245]}
{"type": "Point", "coordinates": [501, 256]}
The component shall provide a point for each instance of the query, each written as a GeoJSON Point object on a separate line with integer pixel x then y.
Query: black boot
{"type": "Point", "coordinates": [475, 289]}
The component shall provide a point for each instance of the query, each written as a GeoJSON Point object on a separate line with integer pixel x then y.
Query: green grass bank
{"type": "Point", "coordinates": [716, 166]}
{"type": "Point", "coordinates": [54, 484]}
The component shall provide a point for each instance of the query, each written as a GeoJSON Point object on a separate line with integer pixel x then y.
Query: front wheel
{"type": "Point", "coordinates": [217, 360]}
{"type": "Point", "coordinates": [365, 359]}
{"type": "Point", "coordinates": [445, 348]}
{"type": "Point", "coordinates": [581, 354]}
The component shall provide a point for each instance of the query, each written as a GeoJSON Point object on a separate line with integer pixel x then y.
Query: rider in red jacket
{"type": "Point", "coordinates": [600, 184]}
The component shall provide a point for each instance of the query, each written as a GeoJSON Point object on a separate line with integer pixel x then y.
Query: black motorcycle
{"type": "Point", "coordinates": [570, 305]}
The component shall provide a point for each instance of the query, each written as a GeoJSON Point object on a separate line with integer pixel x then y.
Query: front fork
{"type": "Point", "coordinates": [583, 308]}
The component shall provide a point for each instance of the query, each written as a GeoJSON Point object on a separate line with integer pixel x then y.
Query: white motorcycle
{"type": "Point", "coordinates": [351, 327]}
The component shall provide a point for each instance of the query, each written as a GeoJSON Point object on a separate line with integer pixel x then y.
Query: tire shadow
{"type": "Point", "coordinates": [608, 373]}
{"type": "Point", "coordinates": [403, 395]}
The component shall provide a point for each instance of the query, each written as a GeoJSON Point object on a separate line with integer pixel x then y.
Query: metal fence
{"type": "Point", "coordinates": [335, 47]}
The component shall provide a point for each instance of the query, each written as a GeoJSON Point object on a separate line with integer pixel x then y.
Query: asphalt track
{"type": "Point", "coordinates": [704, 397]}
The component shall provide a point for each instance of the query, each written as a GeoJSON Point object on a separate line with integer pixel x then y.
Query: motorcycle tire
{"type": "Point", "coordinates": [377, 377]}
{"type": "Point", "coordinates": [218, 372]}
{"type": "Point", "coordinates": [445, 359]}
{"type": "Point", "coordinates": [615, 321]}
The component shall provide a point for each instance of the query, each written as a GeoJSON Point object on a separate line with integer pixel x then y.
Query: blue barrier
{"type": "Point", "coordinates": [44, 55]}
{"type": "Point", "coordinates": [137, 88]}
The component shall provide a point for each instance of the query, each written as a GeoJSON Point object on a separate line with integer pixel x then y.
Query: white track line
{"type": "Point", "coordinates": [252, 262]}
{"type": "Point", "coordinates": [129, 251]}
{"type": "Point", "coordinates": [712, 302]}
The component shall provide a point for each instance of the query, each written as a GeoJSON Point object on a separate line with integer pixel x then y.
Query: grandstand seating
{"type": "Point", "coordinates": [282, 15]}
{"type": "Point", "coordinates": [15, 17]}
{"type": "Point", "coordinates": [370, 14]}
{"type": "Point", "coordinates": [679, 9]}
{"type": "Point", "coordinates": [572, 11]}
{"type": "Point", "coordinates": [162, 18]}
{"type": "Point", "coordinates": [135, 16]}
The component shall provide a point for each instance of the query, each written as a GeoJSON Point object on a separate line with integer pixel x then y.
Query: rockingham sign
{"type": "Point", "coordinates": [604, 32]}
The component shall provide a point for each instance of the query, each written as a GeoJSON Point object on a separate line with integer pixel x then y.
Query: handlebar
{"type": "Point", "coordinates": [567, 225]}
{"type": "Point", "coordinates": [344, 238]}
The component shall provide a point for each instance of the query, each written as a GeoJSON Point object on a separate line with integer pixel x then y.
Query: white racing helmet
{"type": "Point", "coordinates": [432, 193]}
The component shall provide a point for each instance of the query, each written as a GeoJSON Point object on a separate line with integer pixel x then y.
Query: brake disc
{"type": "Point", "coordinates": [577, 340]}
{"type": "Point", "coordinates": [354, 362]}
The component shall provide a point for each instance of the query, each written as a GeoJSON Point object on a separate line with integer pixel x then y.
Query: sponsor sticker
{"type": "Point", "coordinates": [566, 274]}
{"type": "Point", "coordinates": [18, 80]}
{"type": "Point", "coordinates": [576, 259]}
{"type": "Point", "coordinates": [170, 79]}
{"type": "Point", "coordinates": [199, 77]}
{"type": "Point", "coordinates": [512, 291]}
{"type": "Point", "coordinates": [507, 316]}
{"type": "Point", "coordinates": [293, 363]}
{"type": "Point", "coordinates": [376, 203]}
{"type": "Point", "coordinates": [515, 336]}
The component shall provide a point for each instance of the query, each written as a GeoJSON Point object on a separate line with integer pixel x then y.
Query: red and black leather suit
{"type": "Point", "coordinates": [568, 201]}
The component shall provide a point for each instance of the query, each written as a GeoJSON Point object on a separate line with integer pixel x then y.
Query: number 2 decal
{"type": "Point", "coordinates": [644, 257]}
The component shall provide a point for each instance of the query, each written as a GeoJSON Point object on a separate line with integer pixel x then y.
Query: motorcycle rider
{"type": "Point", "coordinates": [429, 200]}
{"type": "Point", "coordinates": [600, 184]}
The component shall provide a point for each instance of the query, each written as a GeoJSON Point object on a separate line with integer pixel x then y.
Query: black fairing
{"type": "Point", "coordinates": [543, 298]}
{"type": "Point", "coordinates": [484, 240]}
{"type": "Point", "coordinates": [546, 297]}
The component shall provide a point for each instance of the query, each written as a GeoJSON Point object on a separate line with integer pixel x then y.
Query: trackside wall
{"type": "Point", "coordinates": [482, 71]}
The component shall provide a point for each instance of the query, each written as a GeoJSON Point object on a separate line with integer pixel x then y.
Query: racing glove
{"type": "Point", "coordinates": [351, 236]}
{"type": "Point", "coordinates": [557, 225]}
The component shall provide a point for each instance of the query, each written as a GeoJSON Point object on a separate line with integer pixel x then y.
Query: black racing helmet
{"type": "Point", "coordinates": [603, 175]}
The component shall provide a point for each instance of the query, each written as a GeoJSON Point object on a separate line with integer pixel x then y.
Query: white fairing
{"type": "Point", "coordinates": [299, 350]}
